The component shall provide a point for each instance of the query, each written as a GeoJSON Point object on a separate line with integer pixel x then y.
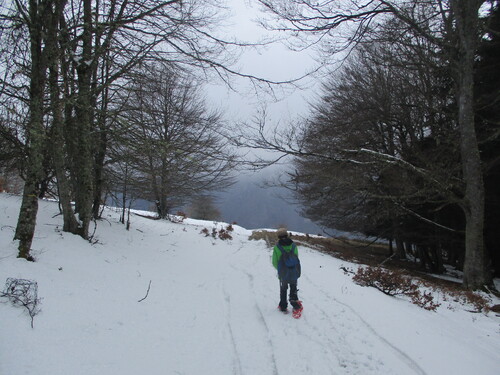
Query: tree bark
{"type": "Point", "coordinates": [70, 223]}
{"type": "Point", "coordinates": [476, 273]}
{"type": "Point", "coordinates": [100, 155]}
{"type": "Point", "coordinates": [84, 158]}
{"type": "Point", "coordinates": [35, 133]}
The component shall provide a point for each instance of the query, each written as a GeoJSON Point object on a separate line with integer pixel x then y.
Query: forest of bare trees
{"type": "Point", "coordinates": [75, 87]}
{"type": "Point", "coordinates": [103, 98]}
{"type": "Point", "coordinates": [400, 143]}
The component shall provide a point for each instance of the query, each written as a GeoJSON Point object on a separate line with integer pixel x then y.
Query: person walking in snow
{"type": "Point", "coordinates": [287, 263]}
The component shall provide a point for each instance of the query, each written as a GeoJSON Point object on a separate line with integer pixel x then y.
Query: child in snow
{"type": "Point", "coordinates": [286, 261]}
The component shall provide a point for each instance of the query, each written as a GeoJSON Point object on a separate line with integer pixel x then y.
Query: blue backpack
{"type": "Point", "coordinates": [288, 265]}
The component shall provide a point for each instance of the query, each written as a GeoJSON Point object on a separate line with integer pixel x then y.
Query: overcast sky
{"type": "Point", "coordinates": [274, 62]}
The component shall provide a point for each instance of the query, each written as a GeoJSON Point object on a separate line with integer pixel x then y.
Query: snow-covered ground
{"type": "Point", "coordinates": [211, 309]}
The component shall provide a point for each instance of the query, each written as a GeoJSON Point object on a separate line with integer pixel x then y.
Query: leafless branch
{"type": "Point", "coordinates": [147, 293]}
{"type": "Point", "coordinates": [23, 293]}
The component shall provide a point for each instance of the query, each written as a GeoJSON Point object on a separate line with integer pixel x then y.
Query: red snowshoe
{"type": "Point", "coordinates": [297, 312]}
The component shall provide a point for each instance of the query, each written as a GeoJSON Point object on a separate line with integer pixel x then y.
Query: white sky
{"type": "Point", "coordinates": [274, 62]}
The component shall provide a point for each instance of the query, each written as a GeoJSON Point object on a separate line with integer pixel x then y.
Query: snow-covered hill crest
{"type": "Point", "coordinates": [162, 299]}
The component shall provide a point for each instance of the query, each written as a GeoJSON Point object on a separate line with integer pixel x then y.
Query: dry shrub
{"type": "Point", "coordinates": [269, 237]}
{"type": "Point", "coordinates": [424, 300]}
{"type": "Point", "coordinates": [395, 283]}
{"type": "Point", "coordinates": [223, 234]}
{"type": "Point", "coordinates": [478, 302]}
{"type": "Point", "coordinates": [392, 283]}
{"type": "Point", "coordinates": [262, 235]}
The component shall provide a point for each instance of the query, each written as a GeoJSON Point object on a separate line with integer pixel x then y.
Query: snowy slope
{"type": "Point", "coordinates": [211, 309]}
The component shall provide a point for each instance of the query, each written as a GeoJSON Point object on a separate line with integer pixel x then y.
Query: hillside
{"type": "Point", "coordinates": [163, 299]}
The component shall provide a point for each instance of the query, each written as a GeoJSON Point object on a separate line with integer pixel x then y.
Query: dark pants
{"type": "Point", "coordinates": [293, 295]}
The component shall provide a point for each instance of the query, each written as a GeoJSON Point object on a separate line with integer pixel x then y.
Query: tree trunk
{"type": "Point", "coordinates": [476, 273]}
{"type": "Point", "coordinates": [100, 154]}
{"type": "Point", "coordinates": [70, 223]}
{"type": "Point", "coordinates": [124, 194]}
{"type": "Point", "coordinates": [101, 138]}
{"type": "Point", "coordinates": [84, 159]}
{"type": "Point", "coordinates": [437, 258]}
{"type": "Point", "coordinates": [25, 229]}
{"type": "Point", "coordinates": [35, 134]}
{"type": "Point", "coordinates": [400, 248]}
{"type": "Point", "coordinates": [98, 177]}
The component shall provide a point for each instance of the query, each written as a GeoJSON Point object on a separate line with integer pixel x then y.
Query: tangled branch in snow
{"type": "Point", "coordinates": [24, 293]}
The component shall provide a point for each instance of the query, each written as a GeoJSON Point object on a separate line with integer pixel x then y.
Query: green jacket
{"type": "Point", "coordinates": [277, 253]}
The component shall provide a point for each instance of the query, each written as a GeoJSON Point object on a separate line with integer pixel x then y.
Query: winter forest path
{"type": "Point", "coordinates": [330, 338]}
{"type": "Point", "coordinates": [226, 299]}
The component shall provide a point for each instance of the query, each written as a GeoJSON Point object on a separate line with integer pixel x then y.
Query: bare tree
{"type": "Point", "coordinates": [108, 41]}
{"type": "Point", "coordinates": [34, 16]}
{"type": "Point", "coordinates": [174, 142]}
{"type": "Point", "coordinates": [71, 56]}
{"type": "Point", "coordinates": [392, 103]}
{"type": "Point", "coordinates": [454, 27]}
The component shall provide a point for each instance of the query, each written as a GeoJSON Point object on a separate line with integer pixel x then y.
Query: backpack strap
{"type": "Point", "coordinates": [284, 251]}
{"type": "Point", "coordinates": [280, 247]}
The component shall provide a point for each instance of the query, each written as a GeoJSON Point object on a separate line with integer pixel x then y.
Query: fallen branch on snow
{"type": "Point", "coordinates": [147, 293]}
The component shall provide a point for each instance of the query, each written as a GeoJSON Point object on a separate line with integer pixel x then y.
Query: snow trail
{"type": "Point", "coordinates": [212, 309]}
{"type": "Point", "coordinates": [316, 330]}
{"type": "Point", "coordinates": [405, 357]}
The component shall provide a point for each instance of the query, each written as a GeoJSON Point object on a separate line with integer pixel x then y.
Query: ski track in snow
{"type": "Point", "coordinates": [237, 370]}
{"type": "Point", "coordinates": [258, 313]}
{"type": "Point", "coordinates": [347, 347]}
{"type": "Point", "coordinates": [276, 339]}
{"type": "Point", "coordinates": [403, 356]}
